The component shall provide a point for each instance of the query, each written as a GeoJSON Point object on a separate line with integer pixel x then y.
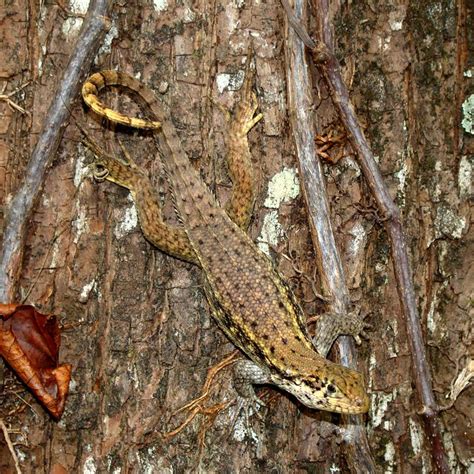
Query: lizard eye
{"type": "Point", "coordinates": [331, 388]}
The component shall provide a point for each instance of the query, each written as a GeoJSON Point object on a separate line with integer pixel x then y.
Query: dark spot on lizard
{"type": "Point", "coordinates": [298, 338]}
{"type": "Point", "coordinates": [284, 340]}
{"type": "Point", "coordinates": [331, 388]}
{"type": "Point", "coordinates": [254, 324]}
{"type": "Point", "coordinates": [265, 336]}
{"type": "Point", "coordinates": [272, 349]}
{"type": "Point", "coordinates": [200, 241]}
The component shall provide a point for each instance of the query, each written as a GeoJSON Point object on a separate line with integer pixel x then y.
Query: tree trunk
{"type": "Point", "coordinates": [136, 324]}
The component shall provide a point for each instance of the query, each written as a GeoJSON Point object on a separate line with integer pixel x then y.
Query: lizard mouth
{"type": "Point", "coordinates": [355, 406]}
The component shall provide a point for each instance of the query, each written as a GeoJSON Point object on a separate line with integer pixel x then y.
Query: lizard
{"type": "Point", "coordinates": [249, 299]}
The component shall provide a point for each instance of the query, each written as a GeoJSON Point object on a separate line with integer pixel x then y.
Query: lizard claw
{"type": "Point", "coordinates": [329, 326]}
{"type": "Point", "coordinates": [247, 373]}
{"type": "Point", "coordinates": [247, 407]}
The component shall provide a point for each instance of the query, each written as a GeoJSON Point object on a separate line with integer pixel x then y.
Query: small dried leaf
{"type": "Point", "coordinates": [29, 342]}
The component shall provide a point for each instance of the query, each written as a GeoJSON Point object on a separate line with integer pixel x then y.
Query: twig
{"type": "Point", "coordinates": [314, 191]}
{"type": "Point", "coordinates": [330, 69]}
{"type": "Point", "coordinates": [14, 105]}
{"type": "Point", "coordinates": [332, 73]}
{"type": "Point", "coordinates": [10, 446]}
{"type": "Point", "coordinates": [93, 30]}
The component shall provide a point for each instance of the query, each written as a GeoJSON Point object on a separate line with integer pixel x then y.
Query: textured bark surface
{"type": "Point", "coordinates": [136, 326]}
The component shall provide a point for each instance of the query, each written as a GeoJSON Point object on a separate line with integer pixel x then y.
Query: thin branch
{"type": "Point", "coordinates": [331, 71]}
{"type": "Point", "coordinates": [22, 204]}
{"type": "Point", "coordinates": [7, 98]}
{"type": "Point", "coordinates": [6, 435]}
{"type": "Point", "coordinates": [314, 190]}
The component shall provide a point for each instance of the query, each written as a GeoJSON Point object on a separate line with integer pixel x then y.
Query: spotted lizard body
{"type": "Point", "coordinates": [249, 299]}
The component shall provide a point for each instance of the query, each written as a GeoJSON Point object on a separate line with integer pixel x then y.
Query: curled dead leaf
{"type": "Point", "coordinates": [29, 342]}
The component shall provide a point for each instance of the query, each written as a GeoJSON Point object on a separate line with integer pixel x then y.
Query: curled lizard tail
{"type": "Point", "coordinates": [100, 80]}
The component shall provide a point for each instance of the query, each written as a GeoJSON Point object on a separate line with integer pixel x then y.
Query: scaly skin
{"type": "Point", "coordinates": [250, 301]}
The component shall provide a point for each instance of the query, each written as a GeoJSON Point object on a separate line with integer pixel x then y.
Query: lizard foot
{"type": "Point", "coordinates": [122, 171]}
{"type": "Point", "coordinates": [247, 374]}
{"type": "Point", "coordinates": [244, 115]}
{"type": "Point", "coordinates": [329, 326]}
{"type": "Point", "coordinates": [244, 120]}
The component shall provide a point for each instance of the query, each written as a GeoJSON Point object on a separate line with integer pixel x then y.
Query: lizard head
{"type": "Point", "coordinates": [335, 389]}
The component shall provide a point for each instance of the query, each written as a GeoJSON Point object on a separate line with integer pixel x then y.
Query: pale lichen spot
{"type": "Point", "coordinates": [434, 319]}
{"type": "Point", "coordinates": [188, 15]}
{"type": "Point", "coordinates": [359, 237]}
{"type": "Point", "coordinates": [72, 25]}
{"type": "Point", "coordinates": [380, 402]}
{"type": "Point", "coordinates": [86, 291]}
{"type": "Point", "coordinates": [396, 17]}
{"type": "Point", "coordinates": [465, 177]}
{"type": "Point", "coordinates": [90, 467]}
{"type": "Point", "coordinates": [80, 169]}
{"type": "Point", "coordinates": [401, 175]}
{"type": "Point", "coordinates": [283, 187]}
{"type": "Point", "coordinates": [160, 5]}
{"type": "Point", "coordinates": [80, 224]}
{"type": "Point", "coordinates": [150, 461]}
{"type": "Point", "coordinates": [106, 46]}
{"type": "Point", "coordinates": [56, 255]}
{"type": "Point", "coordinates": [232, 19]}
{"type": "Point", "coordinates": [231, 82]}
{"type": "Point", "coordinates": [351, 164]}
{"type": "Point", "coordinates": [355, 253]}
{"type": "Point", "coordinates": [416, 436]}
{"type": "Point", "coordinates": [271, 232]}
{"type": "Point", "coordinates": [389, 457]}
{"type": "Point", "coordinates": [468, 115]}
{"type": "Point", "coordinates": [128, 222]}
{"type": "Point", "coordinates": [447, 223]}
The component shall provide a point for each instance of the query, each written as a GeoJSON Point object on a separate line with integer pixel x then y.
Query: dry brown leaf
{"type": "Point", "coordinates": [29, 342]}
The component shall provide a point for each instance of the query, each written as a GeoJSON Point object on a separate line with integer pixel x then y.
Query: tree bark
{"type": "Point", "coordinates": [136, 325]}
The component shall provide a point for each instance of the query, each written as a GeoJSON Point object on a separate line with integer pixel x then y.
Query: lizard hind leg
{"type": "Point", "coordinates": [240, 205]}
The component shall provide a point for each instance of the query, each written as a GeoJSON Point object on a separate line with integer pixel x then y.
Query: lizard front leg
{"type": "Point", "coordinates": [330, 326]}
{"type": "Point", "coordinates": [170, 239]}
